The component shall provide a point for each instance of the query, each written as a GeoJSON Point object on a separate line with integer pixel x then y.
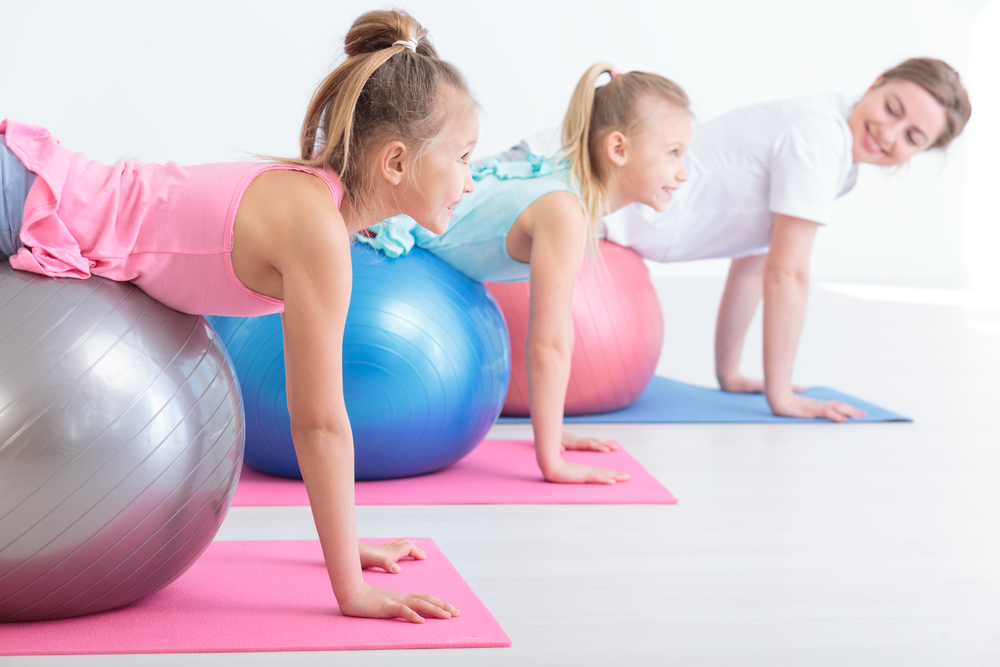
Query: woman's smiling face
{"type": "Point", "coordinates": [894, 121]}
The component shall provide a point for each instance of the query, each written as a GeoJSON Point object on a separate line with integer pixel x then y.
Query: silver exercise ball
{"type": "Point", "coordinates": [121, 440]}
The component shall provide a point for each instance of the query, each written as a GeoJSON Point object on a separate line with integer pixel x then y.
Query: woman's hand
{"type": "Point", "coordinates": [744, 385]}
{"type": "Point", "coordinates": [576, 443]}
{"type": "Point", "coordinates": [810, 408]}
{"type": "Point", "coordinates": [567, 472]}
{"type": "Point", "coordinates": [385, 555]}
{"type": "Point", "coordinates": [374, 602]}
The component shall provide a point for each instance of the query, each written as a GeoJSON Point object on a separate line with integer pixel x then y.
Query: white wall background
{"type": "Point", "coordinates": [208, 81]}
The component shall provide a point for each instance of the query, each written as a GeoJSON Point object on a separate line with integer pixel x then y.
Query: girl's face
{"type": "Point", "coordinates": [654, 164]}
{"type": "Point", "coordinates": [442, 174]}
{"type": "Point", "coordinates": [893, 122]}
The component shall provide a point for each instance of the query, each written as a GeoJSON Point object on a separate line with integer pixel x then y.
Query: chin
{"type": "Point", "coordinates": [437, 226]}
{"type": "Point", "coordinates": [659, 204]}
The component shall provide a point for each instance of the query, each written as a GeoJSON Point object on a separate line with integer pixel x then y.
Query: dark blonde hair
{"type": "Point", "coordinates": [944, 85]}
{"type": "Point", "coordinates": [594, 113]}
{"type": "Point", "coordinates": [381, 92]}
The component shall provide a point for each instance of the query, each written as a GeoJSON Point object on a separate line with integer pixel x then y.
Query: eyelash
{"type": "Point", "coordinates": [464, 159]}
{"type": "Point", "coordinates": [909, 135]}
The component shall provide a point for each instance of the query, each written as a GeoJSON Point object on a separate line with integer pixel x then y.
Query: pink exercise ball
{"type": "Point", "coordinates": [618, 328]}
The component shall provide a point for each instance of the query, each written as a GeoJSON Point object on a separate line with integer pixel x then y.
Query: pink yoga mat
{"type": "Point", "coordinates": [265, 596]}
{"type": "Point", "coordinates": [497, 472]}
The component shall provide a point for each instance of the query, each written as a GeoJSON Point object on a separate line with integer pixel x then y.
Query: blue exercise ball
{"type": "Point", "coordinates": [121, 436]}
{"type": "Point", "coordinates": [426, 365]}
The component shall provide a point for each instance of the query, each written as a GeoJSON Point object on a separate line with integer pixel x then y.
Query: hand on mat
{"type": "Point", "coordinates": [800, 406]}
{"type": "Point", "coordinates": [744, 385]}
{"type": "Point", "coordinates": [386, 555]}
{"type": "Point", "coordinates": [575, 442]}
{"type": "Point", "coordinates": [567, 472]}
{"type": "Point", "coordinates": [375, 602]}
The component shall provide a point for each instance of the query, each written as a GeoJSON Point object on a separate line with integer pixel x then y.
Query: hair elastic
{"type": "Point", "coordinates": [614, 72]}
{"type": "Point", "coordinates": [411, 44]}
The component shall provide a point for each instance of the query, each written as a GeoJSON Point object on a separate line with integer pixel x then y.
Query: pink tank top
{"type": "Point", "coordinates": [166, 228]}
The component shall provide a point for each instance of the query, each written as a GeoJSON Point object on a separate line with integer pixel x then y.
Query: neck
{"type": "Point", "coordinates": [617, 196]}
{"type": "Point", "coordinates": [359, 217]}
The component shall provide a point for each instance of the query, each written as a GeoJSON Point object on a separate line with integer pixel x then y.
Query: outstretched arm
{"type": "Point", "coordinates": [786, 291]}
{"type": "Point", "coordinates": [557, 237]}
{"type": "Point", "coordinates": [736, 310]}
{"type": "Point", "coordinates": [739, 302]}
{"type": "Point", "coordinates": [316, 283]}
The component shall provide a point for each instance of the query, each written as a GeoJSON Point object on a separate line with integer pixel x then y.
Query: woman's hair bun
{"type": "Point", "coordinates": [380, 29]}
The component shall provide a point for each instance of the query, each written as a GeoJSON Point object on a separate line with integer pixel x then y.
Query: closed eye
{"type": "Point", "coordinates": [889, 108]}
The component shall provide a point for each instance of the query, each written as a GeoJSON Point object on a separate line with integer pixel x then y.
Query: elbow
{"type": "Point", "coordinates": [549, 347]}
{"type": "Point", "coordinates": [321, 432]}
{"type": "Point", "coordinates": [784, 277]}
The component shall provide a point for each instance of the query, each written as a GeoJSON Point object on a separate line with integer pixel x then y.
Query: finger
{"type": "Point", "coordinates": [833, 414]}
{"type": "Point", "coordinates": [592, 445]}
{"type": "Point", "coordinates": [435, 601]}
{"type": "Point", "coordinates": [851, 411]}
{"type": "Point", "coordinates": [602, 476]}
{"type": "Point", "coordinates": [402, 611]}
{"type": "Point", "coordinates": [403, 548]}
{"type": "Point", "coordinates": [798, 389]}
{"type": "Point", "coordinates": [429, 609]}
{"type": "Point", "coordinates": [389, 565]}
{"type": "Point", "coordinates": [604, 445]}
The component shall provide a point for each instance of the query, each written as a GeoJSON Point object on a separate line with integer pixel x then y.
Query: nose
{"type": "Point", "coordinates": [469, 185]}
{"type": "Point", "coordinates": [892, 133]}
{"type": "Point", "coordinates": [682, 175]}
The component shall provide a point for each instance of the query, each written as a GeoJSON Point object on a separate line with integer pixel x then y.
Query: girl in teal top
{"type": "Point", "coordinates": [623, 143]}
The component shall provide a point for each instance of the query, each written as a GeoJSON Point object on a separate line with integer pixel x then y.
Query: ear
{"type": "Point", "coordinates": [392, 162]}
{"type": "Point", "coordinates": [616, 148]}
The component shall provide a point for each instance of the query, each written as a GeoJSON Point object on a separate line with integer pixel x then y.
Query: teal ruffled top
{"type": "Point", "coordinates": [476, 240]}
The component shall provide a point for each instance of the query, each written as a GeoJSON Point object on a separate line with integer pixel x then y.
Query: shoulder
{"type": "Point", "coordinates": [817, 118]}
{"type": "Point", "coordinates": [559, 207]}
{"type": "Point", "coordinates": [301, 211]}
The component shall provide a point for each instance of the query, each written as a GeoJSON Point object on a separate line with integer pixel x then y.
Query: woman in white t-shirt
{"type": "Point", "coordinates": [762, 180]}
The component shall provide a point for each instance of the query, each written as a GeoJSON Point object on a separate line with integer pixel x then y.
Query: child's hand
{"type": "Point", "coordinates": [386, 555]}
{"type": "Point", "coordinates": [375, 602]}
{"type": "Point", "coordinates": [567, 472]}
{"type": "Point", "coordinates": [800, 406]}
{"type": "Point", "coordinates": [570, 441]}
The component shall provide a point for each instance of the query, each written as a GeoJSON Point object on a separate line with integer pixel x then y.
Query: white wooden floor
{"type": "Point", "coordinates": [792, 545]}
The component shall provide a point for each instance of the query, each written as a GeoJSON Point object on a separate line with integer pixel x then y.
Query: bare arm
{"type": "Point", "coordinates": [556, 252]}
{"type": "Point", "coordinates": [786, 291]}
{"type": "Point", "coordinates": [744, 287]}
{"type": "Point", "coordinates": [316, 282]}
{"type": "Point", "coordinates": [739, 302]}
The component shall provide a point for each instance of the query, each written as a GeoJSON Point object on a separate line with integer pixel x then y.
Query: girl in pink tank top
{"type": "Point", "coordinates": [390, 131]}
{"type": "Point", "coordinates": [166, 228]}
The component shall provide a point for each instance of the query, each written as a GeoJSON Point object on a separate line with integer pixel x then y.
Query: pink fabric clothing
{"type": "Point", "coordinates": [166, 228]}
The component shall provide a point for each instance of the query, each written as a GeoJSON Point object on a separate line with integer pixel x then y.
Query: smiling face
{"type": "Point", "coordinates": [438, 179]}
{"type": "Point", "coordinates": [894, 121]}
{"type": "Point", "coordinates": [649, 165]}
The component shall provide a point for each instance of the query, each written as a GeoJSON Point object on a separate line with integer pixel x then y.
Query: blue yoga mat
{"type": "Point", "coordinates": [667, 401]}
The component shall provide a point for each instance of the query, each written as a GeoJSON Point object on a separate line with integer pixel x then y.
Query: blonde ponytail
{"type": "Point", "coordinates": [594, 113]}
{"type": "Point", "coordinates": [576, 133]}
{"type": "Point", "coordinates": [389, 87]}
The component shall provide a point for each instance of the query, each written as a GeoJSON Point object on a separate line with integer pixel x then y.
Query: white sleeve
{"type": "Point", "coordinates": [808, 165]}
{"type": "Point", "coordinates": [546, 143]}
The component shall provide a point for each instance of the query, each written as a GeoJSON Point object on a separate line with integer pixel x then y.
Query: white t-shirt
{"type": "Point", "coordinates": [791, 157]}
